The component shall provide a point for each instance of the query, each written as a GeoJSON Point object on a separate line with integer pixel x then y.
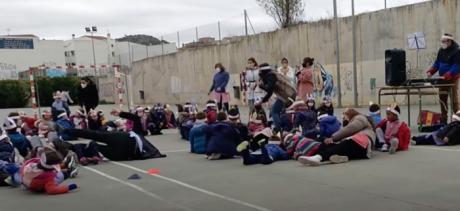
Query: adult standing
{"type": "Point", "coordinates": [287, 71]}
{"type": "Point", "coordinates": [448, 65]}
{"type": "Point", "coordinates": [219, 84]}
{"type": "Point", "coordinates": [305, 85]}
{"type": "Point", "coordinates": [353, 141]}
{"type": "Point", "coordinates": [250, 79]}
{"type": "Point", "coordinates": [88, 95]}
{"type": "Point", "coordinates": [274, 83]}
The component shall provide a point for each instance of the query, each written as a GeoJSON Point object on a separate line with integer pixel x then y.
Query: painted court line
{"type": "Point", "coordinates": [177, 150]}
{"type": "Point", "coordinates": [439, 148]}
{"type": "Point", "coordinates": [142, 190]}
{"type": "Point", "coordinates": [243, 203]}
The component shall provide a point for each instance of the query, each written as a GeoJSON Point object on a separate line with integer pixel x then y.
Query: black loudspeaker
{"type": "Point", "coordinates": [395, 67]}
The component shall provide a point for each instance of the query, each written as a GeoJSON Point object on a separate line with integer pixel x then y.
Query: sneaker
{"type": "Point", "coordinates": [71, 164]}
{"type": "Point", "coordinates": [262, 142]}
{"type": "Point", "coordinates": [413, 142]}
{"type": "Point", "coordinates": [394, 146]}
{"type": "Point", "coordinates": [214, 156]}
{"type": "Point", "coordinates": [84, 161]}
{"type": "Point", "coordinates": [243, 146]}
{"type": "Point", "coordinates": [312, 161]}
{"type": "Point", "coordinates": [384, 148]}
{"type": "Point", "coordinates": [336, 159]}
{"type": "Point", "coordinates": [95, 160]}
{"type": "Point", "coordinates": [11, 182]}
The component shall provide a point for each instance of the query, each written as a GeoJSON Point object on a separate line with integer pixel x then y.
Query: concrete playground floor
{"type": "Point", "coordinates": [423, 178]}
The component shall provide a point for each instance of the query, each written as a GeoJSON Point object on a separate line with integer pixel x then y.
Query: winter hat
{"type": "Point", "coordinates": [322, 114]}
{"type": "Point", "coordinates": [447, 36]}
{"type": "Point", "coordinates": [394, 108]}
{"type": "Point", "coordinates": [14, 115]}
{"type": "Point", "coordinates": [62, 114]}
{"type": "Point", "coordinates": [9, 124]}
{"type": "Point", "coordinates": [327, 99]}
{"type": "Point", "coordinates": [456, 116]}
{"type": "Point", "coordinates": [233, 113]}
{"type": "Point", "coordinates": [50, 159]}
{"type": "Point", "coordinates": [211, 103]}
{"type": "Point", "coordinates": [221, 116]}
{"type": "Point", "coordinates": [374, 108]}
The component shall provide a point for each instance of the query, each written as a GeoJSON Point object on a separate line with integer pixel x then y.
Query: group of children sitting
{"type": "Point", "coordinates": [39, 153]}
{"type": "Point", "coordinates": [222, 135]}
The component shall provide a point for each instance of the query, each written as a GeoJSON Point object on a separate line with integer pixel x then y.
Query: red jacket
{"type": "Point", "coordinates": [403, 134]}
{"type": "Point", "coordinates": [39, 180]}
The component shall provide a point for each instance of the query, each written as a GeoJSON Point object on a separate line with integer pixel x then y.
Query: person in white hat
{"type": "Point", "coordinates": [448, 135]}
{"type": "Point", "coordinates": [447, 64]}
{"type": "Point", "coordinates": [392, 133]}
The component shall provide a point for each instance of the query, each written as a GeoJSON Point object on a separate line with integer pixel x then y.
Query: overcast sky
{"type": "Point", "coordinates": [59, 19]}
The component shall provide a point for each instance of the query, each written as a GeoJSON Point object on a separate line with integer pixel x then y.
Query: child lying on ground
{"type": "Point", "coordinates": [43, 174]}
{"type": "Point", "coordinates": [448, 135]}
{"type": "Point", "coordinates": [269, 152]}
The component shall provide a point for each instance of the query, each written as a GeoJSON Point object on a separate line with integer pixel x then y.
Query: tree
{"type": "Point", "coordinates": [285, 12]}
{"type": "Point", "coordinates": [141, 39]}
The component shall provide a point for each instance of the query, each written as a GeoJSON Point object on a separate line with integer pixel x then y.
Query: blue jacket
{"type": "Point", "coordinates": [6, 151]}
{"type": "Point", "coordinates": [307, 120]}
{"type": "Point", "coordinates": [328, 126]}
{"type": "Point", "coordinates": [59, 106]}
{"type": "Point", "coordinates": [67, 124]}
{"type": "Point", "coordinates": [223, 139]}
{"type": "Point", "coordinates": [198, 139]}
{"type": "Point", "coordinates": [447, 62]}
{"type": "Point", "coordinates": [220, 81]}
{"type": "Point", "coordinates": [376, 117]}
{"type": "Point", "coordinates": [20, 142]}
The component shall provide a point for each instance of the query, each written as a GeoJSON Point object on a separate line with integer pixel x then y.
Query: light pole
{"type": "Point", "coordinates": [92, 30]}
{"type": "Point", "coordinates": [355, 72]}
{"type": "Point", "coordinates": [337, 47]}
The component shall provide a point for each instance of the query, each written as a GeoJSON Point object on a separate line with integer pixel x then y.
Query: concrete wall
{"type": "Point", "coordinates": [187, 74]}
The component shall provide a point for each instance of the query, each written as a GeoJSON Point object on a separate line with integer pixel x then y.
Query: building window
{"type": "Point", "coordinates": [113, 53]}
{"type": "Point", "coordinates": [111, 45]}
{"type": "Point", "coordinates": [72, 53]}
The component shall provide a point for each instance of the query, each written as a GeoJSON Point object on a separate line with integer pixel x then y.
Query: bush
{"type": "Point", "coordinates": [46, 87]}
{"type": "Point", "coordinates": [14, 93]}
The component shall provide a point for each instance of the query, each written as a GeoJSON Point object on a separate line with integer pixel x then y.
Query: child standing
{"type": "Point", "coordinates": [392, 133]}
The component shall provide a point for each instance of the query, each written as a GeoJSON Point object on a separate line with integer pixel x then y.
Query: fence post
{"type": "Point", "coordinates": [32, 92]}
{"type": "Point", "coordinates": [118, 85]}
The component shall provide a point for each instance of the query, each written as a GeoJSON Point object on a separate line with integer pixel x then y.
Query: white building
{"type": "Point", "coordinates": [19, 52]}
